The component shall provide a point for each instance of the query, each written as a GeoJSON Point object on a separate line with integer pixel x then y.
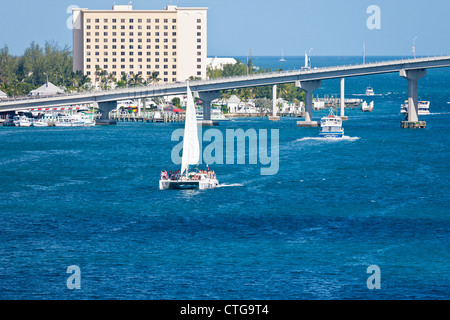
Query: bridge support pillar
{"type": "Point", "coordinates": [342, 115]}
{"type": "Point", "coordinates": [105, 108]}
{"type": "Point", "coordinates": [413, 77]}
{"type": "Point", "coordinates": [274, 116]}
{"type": "Point", "coordinates": [207, 98]}
{"type": "Point", "coordinates": [308, 87]}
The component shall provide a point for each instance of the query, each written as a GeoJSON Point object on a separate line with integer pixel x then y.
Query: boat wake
{"type": "Point", "coordinates": [328, 139]}
{"type": "Point", "coordinates": [224, 185]}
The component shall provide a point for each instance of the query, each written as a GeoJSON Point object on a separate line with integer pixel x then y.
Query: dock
{"type": "Point", "coordinates": [148, 117]}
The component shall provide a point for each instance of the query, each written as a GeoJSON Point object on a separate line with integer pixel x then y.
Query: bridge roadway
{"type": "Point", "coordinates": [208, 90]}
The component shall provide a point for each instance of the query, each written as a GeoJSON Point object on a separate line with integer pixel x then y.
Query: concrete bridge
{"type": "Point", "coordinates": [208, 90]}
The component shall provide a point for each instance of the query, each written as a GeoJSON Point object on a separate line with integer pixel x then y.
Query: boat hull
{"type": "Point", "coordinates": [331, 134]}
{"type": "Point", "coordinates": [188, 184]}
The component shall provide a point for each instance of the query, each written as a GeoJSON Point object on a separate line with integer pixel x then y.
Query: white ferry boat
{"type": "Point", "coordinates": [331, 126]}
{"type": "Point", "coordinates": [216, 115]}
{"type": "Point", "coordinates": [424, 107]}
{"type": "Point", "coordinates": [369, 91]}
{"type": "Point", "coordinates": [77, 120]}
{"type": "Point", "coordinates": [23, 121]}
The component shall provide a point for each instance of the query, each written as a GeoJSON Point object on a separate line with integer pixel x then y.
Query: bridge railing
{"type": "Point", "coordinates": [224, 79]}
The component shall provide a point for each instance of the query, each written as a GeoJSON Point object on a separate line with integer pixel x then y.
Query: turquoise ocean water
{"type": "Point", "coordinates": [89, 197]}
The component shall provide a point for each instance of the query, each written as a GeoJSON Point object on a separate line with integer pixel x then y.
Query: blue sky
{"type": "Point", "coordinates": [331, 27]}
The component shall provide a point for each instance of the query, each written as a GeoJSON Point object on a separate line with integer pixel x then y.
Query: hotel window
{"type": "Point", "coordinates": [199, 60]}
{"type": "Point", "coordinates": [139, 53]}
{"type": "Point", "coordinates": [88, 20]}
{"type": "Point", "coordinates": [174, 73]}
{"type": "Point", "coordinates": [105, 53]}
{"type": "Point", "coordinates": [166, 53]}
{"type": "Point", "coordinates": [97, 20]}
{"type": "Point", "coordinates": [157, 34]}
{"type": "Point", "coordinates": [122, 67]}
{"type": "Point", "coordinates": [199, 27]}
{"type": "Point", "coordinates": [199, 40]}
{"type": "Point", "coordinates": [105, 27]}
{"type": "Point", "coordinates": [174, 20]}
{"type": "Point", "coordinates": [166, 73]}
{"type": "Point", "coordinates": [166, 60]}
{"type": "Point", "coordinates": [122, 59]}
{"type": "Point", "coordinates": [174, 79]}
{"type": "Point", "coordinates": [174, 34]}
{"type": "Point", "coordinates": [122, 20]}
{"type": "Point", "coordinates": [199, 20]}
{"type": "Point", "coordinates": [174, 27]}
{"type": "Point", "coordinates": [131, 47]}
{"type": "Point", "coordinates": [131, 20]}
{"type": "Point", "coordinates": [88, 53]}
{"type": "Point", "coordinates": [131, 66]}
{"type": "Point", "coordinates": [157, 27]}
{"type": "Point", "coordinates": [105, 34]}
{"type": "Point", "coordinates": [88, 27]}
{"type": "Point", "coordinates": [114, 46]}
{"type": "Point", "coordinates": [149, 27]}
{"type": "Point", "coordinates": [131, 27]}
{"type": "Point", "coordinates": [199, 53]}
{"type": "Point", "coordinates": [157, 60]}
{"type": "Point", "coordinates": [114, 28]}
{"type": "Point", "coordinates": [88, 40]}
{"type": "Point", "coordinates": [122, 27]}
{"type": "Point", "coordinates": [105, 59]}
{"type": "Point", "coordinates": [174, 47]}
{"type": "Point", "coordinates": [149, 60]}
{"type": "Point", "coordinates": [199, 66]}
{"type": "Point", "coordinates": [166, 21]}
{"type": "Point", "coordinates": [199, 47]}
{"type": "Point", "coordinates": [149, 53]}
{"type": "Point", "coordinates": [166, 80]}
{"type": "Point", "coordinates": [149, 34]}
{"type": "Point", "coordinates": [139, 20]}
{"type": "Point", "coordinates": [97, 27]}
{"type": "Point", "coordinates": [174, 66]}
{"type": "Point", "coordinates": [199, 34]}
{"type": "Point", "coordinates": [166, 34]}
{"type": "Point", "coordinates": [122, 34]}
{"type": "Point", "coordinates": [149, 66]}
{"type": "Point", "coordinates": [88, 60]}
{"type": "Point", "coordinates": [131, 60]}
{"type": "Point", "coordinates": [166, 27]}
{"type": "Point", "coordinates": [114, 66]}
{"type": "Point", "coordinates": [105, 66]}
{"type": "Point", "coordinates": [88, 73]}
{"type": "Point", "coordinates": [88, 34]}
{"type": "Point", "coordinates": [131, 34]}
{"type": "Point", "coordinates": [149, 20]}
{"type": "Point", "coordinates": [139, 34]}
{"type": "Point", "coordinates": [199, 73]}
{"type": "Point", "coordinates": [114, 20]}
{"type": "Point", "coordinates": [88, 47]}
{"type": "Point", "coordinates": [157, 66]}
{"type": "Point", "coordinates": [114, 40]}
{"type": "Point", "coordinates": [156, 20]}
{"type": "Point", "coordinates": [131, 53]}
{"type": "Point", "coordinates": [88, 66]}
{"type": "Point", "coordinates": [157, 47]}
{"type": "Point", "coordinates": [166, 47]}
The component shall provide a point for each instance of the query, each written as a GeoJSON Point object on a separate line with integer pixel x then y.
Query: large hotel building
{"type": "Point", "coordinates": [126, 41]}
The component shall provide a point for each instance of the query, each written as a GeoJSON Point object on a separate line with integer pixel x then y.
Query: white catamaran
{"type": "Point", "coordinates": [186, 179]}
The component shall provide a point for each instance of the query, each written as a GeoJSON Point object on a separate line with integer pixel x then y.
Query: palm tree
{"type": "Point", "coordinates": [136, 79]}
{"type": "Point", "coordinates": [154, 77]}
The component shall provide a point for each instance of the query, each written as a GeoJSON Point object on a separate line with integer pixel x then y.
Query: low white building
{"type": "Point", "coordinates": [48, 89]}
{"type": "Point", "coordinates": [3, 95]}
{"type": "Point", "coordinates": [219, 63]}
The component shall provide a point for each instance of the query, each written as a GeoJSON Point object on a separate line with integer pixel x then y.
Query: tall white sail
{"type": "Point", "coordinates": [191, 147]}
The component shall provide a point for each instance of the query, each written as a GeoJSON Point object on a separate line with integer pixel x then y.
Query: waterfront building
{"type": "Point", "coordinates": [48, 89]}
{"type": "Point", "coordinates": [219, 63]}
{"type": "Point", "coordinates": [123, 41]}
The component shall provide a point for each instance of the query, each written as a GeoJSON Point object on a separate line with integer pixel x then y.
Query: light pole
{"type": "Point", "coordinates": [47, 78]}
{"type": "Point", "coordinates": [414, 47]}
